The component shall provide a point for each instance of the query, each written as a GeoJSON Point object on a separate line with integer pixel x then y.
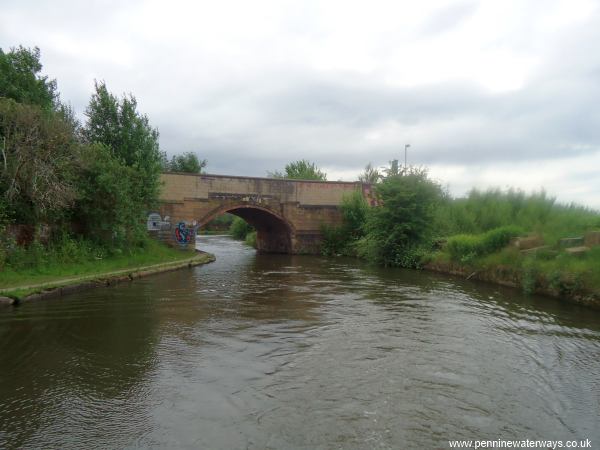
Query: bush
{"type": "Point", "coordinates": [499, 238]}
{"type": "Point", "coordinates": [111, 207]}
{"type": "Point", "coordinates": [335, 241]}
{"type": "Point", "coordinates": [341, 240]}
{"type": "Point", "coordinates": [251, 239]}
{"type": "Point", "coordinates": [413, 257]}
{"type": "Point", "coordinates": [403, 221]}
{"type": "Point", "coordinates": [239, 229]}
{"type": "Point", "coordinates": [465, 247]}
{"type": "Point", "coordinates": [529, 276]}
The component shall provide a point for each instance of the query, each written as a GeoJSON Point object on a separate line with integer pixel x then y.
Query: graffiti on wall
{"type": "Point", "coordinates": [183, 234]}
{"type": "Point", "coordinates": [153, 222]}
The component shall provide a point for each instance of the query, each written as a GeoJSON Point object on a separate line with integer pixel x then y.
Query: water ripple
{"type": "Point", "coordinates": [278, 351]}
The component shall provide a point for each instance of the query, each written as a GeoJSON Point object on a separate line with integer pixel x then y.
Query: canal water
{"type": "Point", "coordinates": [278, 351]}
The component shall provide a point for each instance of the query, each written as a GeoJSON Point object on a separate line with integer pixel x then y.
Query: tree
{"type": "Point", "coordinates": [38, 156]}
{"type": "Point", "coordinates": [21, 81]}
{"type": "Point", "coordinates": [370, 175]}
{"type": "Point", "coordinates": [301, 170]}
{"type": "Point", "coordinates": [403, 222]}
{"type": "Point", "coordinates": [118, 125]}
{"type": "Point", "coordinates": [186, 162]}
{"type": "Point", "coordinates": [394, 169]}
{"type": "Point", "coordinates": [110, 207]}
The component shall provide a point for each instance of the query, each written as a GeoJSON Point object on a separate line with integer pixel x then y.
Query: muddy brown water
{"type": "Point", "coordinates": [300, 352]}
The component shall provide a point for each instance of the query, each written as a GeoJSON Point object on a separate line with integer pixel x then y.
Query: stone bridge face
{"type": "Point", "coordinates": [287, 214]}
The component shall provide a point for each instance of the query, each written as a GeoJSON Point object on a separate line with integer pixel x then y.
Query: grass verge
{"type": "Point", "coordinates": [550, 271]}
{"type": "Point", "coordinates": [154, 258]}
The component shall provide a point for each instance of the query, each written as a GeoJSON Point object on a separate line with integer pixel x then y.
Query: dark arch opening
{"type": "Point", "coordinates": [273, 233]}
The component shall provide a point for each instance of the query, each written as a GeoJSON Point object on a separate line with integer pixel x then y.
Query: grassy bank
{"type": "Point", "coordinates": [56, 272]}
{"type": "Point", "coordinates": [524, 240]}
{"type": "Point", "coordinates": [547, 269]}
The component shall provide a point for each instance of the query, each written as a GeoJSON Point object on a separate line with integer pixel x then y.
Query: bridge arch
{"type": "Point", "coordinates": [274, 233]}
{"type": "Point", "coordinates": [288, 214]}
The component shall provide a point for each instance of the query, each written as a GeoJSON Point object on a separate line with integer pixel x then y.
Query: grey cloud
{"type": "Point", "coordinates": [251, 121]}
{"type": "Point", "coordinates": [448, 18]}
{"type": "Point", "coordinates": [457, 123]}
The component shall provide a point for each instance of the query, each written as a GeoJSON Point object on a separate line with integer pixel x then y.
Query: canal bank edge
{"type": "Point", "coordinates": [18, 294]}
{"type": "Point", "coordinates": [507, 276]}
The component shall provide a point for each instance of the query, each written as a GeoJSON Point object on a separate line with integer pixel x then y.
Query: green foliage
{"type": "Point", "coordinates": [221, 223]}
{"type": "Point", "coordinates": [464, 247]}
{"type": "Point", "coordinates": [21, 81]}
{"type": "Point", "coordinates": [68, 257]}
{"type": "Point", "coordinates": [566, 283]}
{"type": "Point", "coordinates": [403, 221]}
{"type": "Point", "coordinates": [335, 241]}
{"type": "Point", "coordinates": [481, 211]}
{"type": "Point", "coordinates": [38, 155]}
{"type": "Point", "coordinates": [394, 170]}
{"type": "Point", "coordinates": [243, 231]}
{"type": "Point", "coordinates": [4, 238]}
{"type": "Point", "coordinates": [186, 162]}
{"type": "Point", "coordinates": [529, 276]}
{"type": "Point", "coordinates": [111, 207]}
{"type": "Point", "coordinates": [239, 228]}
{"type": "Point", "coordinates": [413, 256]}
{"type": "Point", "coordinates": [341, 240]}
{"type": "Point", "coordinates": [370, 175]}
{"type": "Point", "coordinates": [64, 250]}
{"type": "Point", "coordinates": [128, 134]}
{"type": "Point", "coordinates": [251, 239]}
{"type": "Point", "coordinates": [301, 170]}
{"type": "Point", "coordinates": [91, 187]}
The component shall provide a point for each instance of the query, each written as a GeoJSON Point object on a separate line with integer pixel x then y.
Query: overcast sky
{"type": "Point", "coordinates": [487, 93]}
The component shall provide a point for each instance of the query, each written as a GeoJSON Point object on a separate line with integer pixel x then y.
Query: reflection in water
{"type": "Point", "coordinates": [279, 351]}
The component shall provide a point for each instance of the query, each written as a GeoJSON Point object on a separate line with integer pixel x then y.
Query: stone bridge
{"type": "Point", "coordinates": [287, 214]}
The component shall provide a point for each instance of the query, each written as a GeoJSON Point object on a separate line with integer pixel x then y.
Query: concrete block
{"type": "Point", "coordinates": [527, 242]}
{"type": "Point", "coordinates": [592, 239]}
{"type": "Point", "coordinates": [571, 242]}
{"type": "Point", "coordinates": [535, 250]}
{"type": "Point", "coordinates": [577, 251]}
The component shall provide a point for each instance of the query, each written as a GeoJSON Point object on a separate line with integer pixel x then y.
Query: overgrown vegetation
{"type": "Point", "coordinates": [239, 228]}
{"type": "Point", "coordinates": [481, 211]}
{"type": "Point", "coordinates": [465, 247]}
{"type": "Point", "coordinates": [69, 257]}
{"type": "Point", "coordinates": [398, 232]}
{"type": "Point", "coordinates": [243, 231]}
{"type": "Point", "coordinates": [342, 240]}
{"type": "Point", "coordinates": [70, 193]}
{"type": "Point", "coordinates": [250, 239]}
{"type": "Point", "coordinates": [416, 223]}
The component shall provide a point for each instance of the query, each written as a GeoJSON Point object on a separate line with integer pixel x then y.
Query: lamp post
{"type": "Point", "coordinates": [405, 149]}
